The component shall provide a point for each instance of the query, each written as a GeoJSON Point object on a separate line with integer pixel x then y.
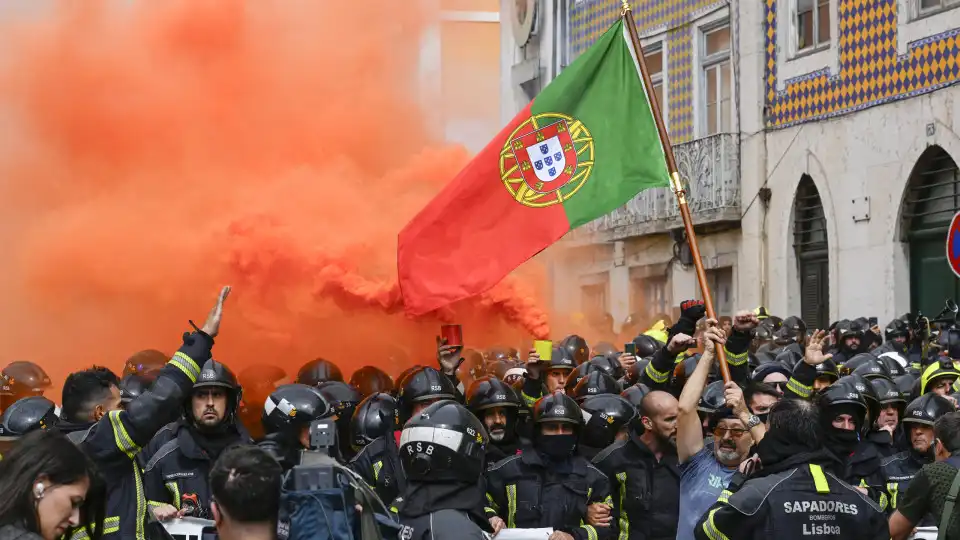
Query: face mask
{"type": "Point", "coordinates": [557, 446]}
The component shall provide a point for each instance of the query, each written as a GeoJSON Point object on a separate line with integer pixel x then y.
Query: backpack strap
{"type": "Point", "coordinates": [948, 507]}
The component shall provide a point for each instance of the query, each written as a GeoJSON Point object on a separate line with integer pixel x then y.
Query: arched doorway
{"type": "Point", "coordinates": [810, 246]}
{"type": "Point", "coordinates": [931, 200]}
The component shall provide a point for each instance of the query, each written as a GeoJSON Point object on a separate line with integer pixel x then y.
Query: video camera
{"type": "Point", "coordinates": [318, 470]}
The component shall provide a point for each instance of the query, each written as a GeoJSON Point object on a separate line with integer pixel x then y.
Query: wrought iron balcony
{"type": "Point", "coordinates": [709, 167]}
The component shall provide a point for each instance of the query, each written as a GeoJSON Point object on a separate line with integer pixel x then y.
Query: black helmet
{"type": "Point", "coordinates": [868, 366]}
{"type": "Point", "coordinates": [131, 386]}
{"type": "Point", "coordinates": [789, 358]}
{"type": "Point", "coordinates": [889, 359]}
{"type": "Point", "coordinates": [866, 390]}
{"type": "Point", "coordinates": [887, 392]}
{"type": "Point", "coordinates": [896, 328]}
{"type": "Point", "coordinates": [557, 407]}
{"type": "Point", "coordinates": [343, 400]}
{"type": "Point", "coordinates": [370, 380]}
{"type": "Point", "coordinates": [949, 342]}
{"type": "Point", "coordinates": [608, 364]}
{"type": "Point", "coordinates": [905, 383]}
{"type": "Point", "coordinates": [646, 345]}
{"type": "Point", "coordinates": [148, 363]}
{"type": "Point", "coordinates": [291, 406]}
{"type": "Point", "coordinates": [402, 378]}
{"type": "Point", "coordinates": [26, 379]}
{"type": "Point", "coordinates": [842, 392]}
{"type": "Point", "coordinates": [317, 371]}
{"type": "Point", "coordinates": [28, 414]}
{"type": "Point", "coordinates": [372, 418]}
{"type": "Point", "coordinates": [828, 368]}
{"type": "Point", "coordinates": [423, 384]}
{"type": "Point", "coordinates": [606, 416]}
{"type": "Point", "coordinates": [561, 358]}
{"type": "Point", "coordinates": [487, 392]}
{"type": "Point", "coordinates": [635, 394]}
{"type": "Point", "coordinates": [769, 369]}
{"type": "Point", "coordinates": [926, 409]}
{"type": "Point", "coordinates": [444, 443]}
{"type": "Point", "coordinates": [847, 329]}
{"type": "Point", "coordinates": [595, 383]}
{"type": "Point", "coordinates": [214, 374]}
{"type": "Point", "coordinates": [796, 327]}
{"type": "Point", "coordinates": [576, 348]}
{"type": "Point", "coordinates": [712, 400]}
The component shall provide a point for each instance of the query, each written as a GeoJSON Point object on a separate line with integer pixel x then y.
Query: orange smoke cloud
{"type": "Point", "coordinates": [153, 151]}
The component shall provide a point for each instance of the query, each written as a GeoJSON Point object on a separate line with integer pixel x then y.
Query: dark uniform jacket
{"type": "Point", "coordinates": [441, 525]}
{"type": "Point", "coordinates": [898, 471]}
{"type": "Point", "coordinates": [862, 469]}
{"type": "Point", "coordinates": [379, 465]}
{"type": "Point", "coordinates": [175, 465]}
{"type": "Point", "coordinates": [114, 441]}
{"type": "Point", "coordinates": [526, 494]}
{"type": "Point", "coordinates": [805, 502]}
{"type": "Point", "coordinates": [497, 451]}
{"type": "Point", "coordinates": [645, 508]}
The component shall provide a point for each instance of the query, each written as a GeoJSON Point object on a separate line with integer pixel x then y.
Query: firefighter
{"type": "Point", "coordinates": [442, 449]}
{"type": "Point", "coordinates": [607, 419]}
{"type": "Point", "coordinates": [496, 405]}
{"type": "Point", "coordinates": [548, 484]}
{"type": "Point", "coordinates": [794, 495]}
{"type": "Point", "coordinates": [372, 419]}
{"type": "Point", "coordinates": [94, 419]}
{"type": "Point", "coordinates": [179, 458]}
{"type": "Point", "coordinates": [287, 415]}
{"type": "Point", "coordinates": [379, 462]}
{"type": "Point", "coordinates": [29, 414]}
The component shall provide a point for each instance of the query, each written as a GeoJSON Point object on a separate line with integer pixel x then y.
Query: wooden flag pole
{"type": "Point", "coordinates": [675, 184]}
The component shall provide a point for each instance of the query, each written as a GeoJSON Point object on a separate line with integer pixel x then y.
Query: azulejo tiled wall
{"type": "Point", "coordinates": [870, 70]}
{"type": "Point", "coordinates": [591, 18]}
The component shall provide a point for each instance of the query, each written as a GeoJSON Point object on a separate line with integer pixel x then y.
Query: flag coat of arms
{"type": "Point", "coordinates": [586, 145]}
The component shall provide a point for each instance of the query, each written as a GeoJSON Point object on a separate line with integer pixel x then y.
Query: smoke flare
{"type": "Point", "coordinates": [153, 151]}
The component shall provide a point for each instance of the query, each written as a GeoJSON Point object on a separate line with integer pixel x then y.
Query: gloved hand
{"type": "Point", "coordinates": [691, 311]}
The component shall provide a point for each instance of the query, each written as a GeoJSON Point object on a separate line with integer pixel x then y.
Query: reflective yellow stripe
{"type": "Point", "coordinates": [155, 504]}
{"type": "Point", "coordinates": [493, 504]}
{"type": "Point", "coordinates": [394, 509]}
{"type": "Point", "coordinates": [591, 532]}
{"type": "Point", "coordinates": [110, 525]}
{"type": "Point", "coordinates": [121, 437]}
{"type": "Point", "coordinates": [724, 496]}
{"type": "Point", "coordinates": [174, 490]}
{"type": "Point", "coordinates": [819, 479]}
{"type": "Point", "coordinates": [799, 388]}
{"type": "Point", "coordinates": [736, 359]}
{"type": "Point", "coordinates": [186, 364]}
{"type": "Point", "coordinates": [529, 400]}
{"type": "Point", "coordinates": [376, 470]}
{"type": "Point", "coordinates": [658, 377]}
{"type": "Point", "coordinates": [893, 488]}
{"type": "Point", "coordinates": [624, 521]}
{"type": "Point", "coordinates": [710, 528]}
{"type": "Point", "coordinates": [511, 506]}
{"type": "Point", "coordinates": [884, 502]}
{"type": "Point", "coordinates": [141, 503]}
{"type": "Point", "coordinates": [589, 492]}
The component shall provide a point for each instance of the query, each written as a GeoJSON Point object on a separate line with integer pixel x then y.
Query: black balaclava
{"type": "Point", "coordinates": [843, 442]}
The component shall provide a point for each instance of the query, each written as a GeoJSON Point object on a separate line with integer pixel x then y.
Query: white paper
{"type": "Point", "coordinates": [187, 527]}
{"type": "Point", "coordinates": [523, 534]}
{"type": "Point", "coordinates": [924, 533]}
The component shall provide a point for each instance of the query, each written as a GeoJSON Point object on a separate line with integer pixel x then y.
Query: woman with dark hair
{"type": "Point", "coordinates": [50, 487]}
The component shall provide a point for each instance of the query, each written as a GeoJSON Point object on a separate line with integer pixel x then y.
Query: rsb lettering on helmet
{"type": "Point", "coordinates": [435, 388]}
{"type": "Point", "coordinates": [591, 390]}
{"type": "Point", "coordinates": [500, 397]}
{"type": "Point", "coordinates": [559, 411]}
{"type": "Point", "coordinates": [852, 395]}
{"type": "Point", "coordinates": [208, 375]}
{"type": "Point", "coordinates": [836, 507]}
{"type": "Point", "coordinates": [917, 413]}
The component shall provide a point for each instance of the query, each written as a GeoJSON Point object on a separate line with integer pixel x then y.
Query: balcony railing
{"type": "Point", "coordinates": [709, 167]}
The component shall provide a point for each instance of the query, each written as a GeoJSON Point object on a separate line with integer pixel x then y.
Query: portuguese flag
{"type": "Point", "coordinates": [585, 146]}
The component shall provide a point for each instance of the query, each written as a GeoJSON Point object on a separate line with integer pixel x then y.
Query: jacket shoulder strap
{"type": "Point", "coordinates": [78, 437]}
{"type": "Point", "coordinates": [162, 452]}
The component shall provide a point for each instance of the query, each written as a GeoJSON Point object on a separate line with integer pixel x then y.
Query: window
{"type": "Point", "coordinates": [931, 6]}
{"type": "Point", "coordinates": [593, 299]}
{"type": "Point", "coordinates": [653, 58]}
{"type": "Point", "coordinates": [650, 296]}
{"type": "Point", "coordinates": [717, 84]}
{"type": "Point", "coordinates": [720, 281]}
{"type": "Point", "coordinates": [813, 24]}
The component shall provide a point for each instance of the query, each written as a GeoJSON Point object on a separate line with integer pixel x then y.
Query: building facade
{"type": "Point", "coordinates": [817, 139]}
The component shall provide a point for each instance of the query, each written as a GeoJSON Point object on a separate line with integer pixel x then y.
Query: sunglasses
{"type": "Point", "coordinates": [780, 385]}
{"type": "Point", "coordinates": [735, 433]}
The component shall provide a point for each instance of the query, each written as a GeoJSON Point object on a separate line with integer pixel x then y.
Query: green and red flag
{"type": "Point", "coordinates": [586, 145]}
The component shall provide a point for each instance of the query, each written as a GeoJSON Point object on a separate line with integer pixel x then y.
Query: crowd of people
{"type": "Point", "coordinates": [747, 427]}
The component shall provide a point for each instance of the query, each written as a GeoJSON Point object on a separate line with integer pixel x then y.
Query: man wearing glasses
{"type": "Point", "coordinates": [705, 470]}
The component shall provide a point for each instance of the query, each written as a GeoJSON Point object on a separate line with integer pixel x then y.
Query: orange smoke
{"type": "Point", "coordinates": [153, 151]}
